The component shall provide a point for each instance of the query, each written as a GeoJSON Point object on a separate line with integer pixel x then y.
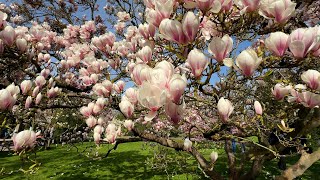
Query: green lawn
{"type": "Point", "coordinates": [129, 161]}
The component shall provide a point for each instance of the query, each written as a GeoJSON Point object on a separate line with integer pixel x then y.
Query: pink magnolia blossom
{"type": "Point", "coordinates": [24, 139]}
{"type": "Point", "coordinates": [91, 121]}
{"type": "Point", "coordinates": [309, 99]}
{"type": "Point", "coordinates": [145, 54]}
{"type": "Point", "coordinates": [172, 31]}
{"type": "Point", "coordinates": [100, 90]}
{"type": "Point", "coordinates": [40, 81]}
{"type": "Point", "coordinates": [6, 99]}
{"type": "Point", "coordinates": [190, 26]}
{"type": "Point", "coordinates": [225, 108]}
{"type": "Point", "coordinates": [160, 77]}
{"type": "Point", "coordinates": [177, 86]}
{"type": "Point", "coordinates": [3, 17]}
{"type": "Point", "coordinates": [119, 86]}
{"type": "Point", "coordinates": [280, 10]}
{"type": "Point", "coordinates": [131, 95]}
{"type": "Point", "coordinates": [147, 30]}
{"type": "Point", "coordinates": [101, 102]}
{"type": "Point", "coordinates": [128, 124]}
{"type": "Point", "coordinates": [316, 48]}
{"type": "Point", "coordinates": [86, 111]}
{"type": "Point", "coordinates": [98, 129]}
{"type": "Point", "coordinates": [174, 111]}
{"type": "Point", "coordinates": [97, 109]}
{"type": "Point", "coordinates": [220, 47]}
{"type": "Point", "coordinates": [311, 78]}
{"type": "Point", "coordinates": [280, 91]}
{"type": "Point", "coordinates": [13, 89]}
{"type": "Point", "coordinates": [101, 121]}
{"type": "Point", "coordinates": [126, 108]}
{"type": "Point", "coordinates": [250, 5]}
{"type": "Point", "coordinates": [53, 92]}
{"type": "Point", "coordinates": [277, 43]}
{"type": "Point", "coordinates": [108, 85]}
{"type": "Point", "coordinates": [45, 73]}
{"type": "Point", "coordinates": [162, 10]}
{"type": "Point", "coordinates": [22, 44]}
{"type": "Point", "coordinates": [301, 41]}
{"type": "Point", "coordinates": [151, 97]}
{"type": "Point", "coordinates": [197, 62]}
{"type": "Point", "coordinates": [25, 86]}
{"type": "Point", "coordinates": [123, 16]}
{"type": "Point", "coordinates": [248, 61]}
{"type": "Point", "coordinates": [141, 73]}
{"type": "Point", "coordinates": [8, 35]}
{"type": "Point", "coordinates": [120, 27]}
{"type": "Point", "coordinates": [295, 93]}
{"type": "Point", "coordinates": [258, 108]}
{"type": "Point", "coordinates": [111, 133]}
{"type": "Point", "coordinates": [149, 3]}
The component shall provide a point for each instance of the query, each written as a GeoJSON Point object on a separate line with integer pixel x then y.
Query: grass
{"type": "Point", "coordinates": [129, 161]}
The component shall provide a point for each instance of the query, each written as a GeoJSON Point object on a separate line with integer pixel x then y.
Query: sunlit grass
{"type": "Point", "coordinates": [129, 161]}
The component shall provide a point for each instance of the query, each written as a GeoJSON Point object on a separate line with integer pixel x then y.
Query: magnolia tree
{"type": "Point", "coordinates": [212, 70]}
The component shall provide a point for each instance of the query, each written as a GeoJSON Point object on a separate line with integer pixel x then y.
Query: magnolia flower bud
{"type": "Point", "coordinates": [187, 144]}
{"type": "Point", "coordinates": [176, 87]}
{"type": "Point", "coordinates": [126, 108]}
{"type": "Point", "coordinates": [38, 98]}
{"type": "Point", "coordinates": [258, 108]}
{"type": "Point", "coordinates": [25, 86]}
{"type": "Point", "coordinates": [97, 137]}
{"type": "Point", "coordinates": [128, 124]}
{"type": "Point", "coordinates": [35, 91]}
{"type": "Point", "coordinates": [225, 108]}
{"type": "Point", "coordinates": [213, 156]}
{"type": "Point", "coordinates": [8, 35]}
{"type": "Point", "coordinates": [28, 102]}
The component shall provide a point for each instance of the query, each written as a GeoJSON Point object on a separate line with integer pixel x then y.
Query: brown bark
{"type": "Point", "coordinates": [305, 161]}
{"type": "Point", "coordinates": [255, 168]}
{"type": "Point", "coordinates": [231, 160]}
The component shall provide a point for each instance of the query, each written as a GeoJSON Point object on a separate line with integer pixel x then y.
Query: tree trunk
{"type": "Point", "coordinates": [305, 161]}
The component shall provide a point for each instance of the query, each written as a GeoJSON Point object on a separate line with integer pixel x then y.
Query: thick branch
{"type": "Point", "coordinates": [305, 161]}
{"type": "Point", "coordinates": [205, 165]}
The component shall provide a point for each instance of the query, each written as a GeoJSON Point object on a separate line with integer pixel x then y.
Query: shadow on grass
{"type": "Point", "coordinates": [124, 163]}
